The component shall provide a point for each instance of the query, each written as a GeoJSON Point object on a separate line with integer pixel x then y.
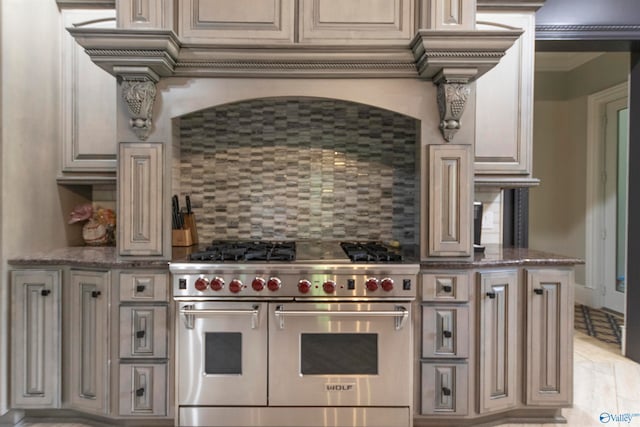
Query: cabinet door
{"type": "Point", "coordinates": [504, 128]}
{"type": "Point", "coordinates": [444, 388]}
{"type": "Point", "coordinates": [143, 389]}
{"type": "Point", "coordinates": [445, 331]}
{"type": "Point", "coordinates": [35, 339]}
{"type": "Point", "coordinates": [89, 340]}
{"type": "Point", "coordinates": [498, 339]}
{"type": "Point", "coordinates": [549, 352]}
{"type": "Point", "coordinates": [449, 186]}
{"type": "Point", "coordinates": [88, 98]}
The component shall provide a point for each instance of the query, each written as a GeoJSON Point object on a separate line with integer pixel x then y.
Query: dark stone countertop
{"type": "Point", "coordinates": [498, 256]}
{"type": "Point", "coordinates": [86, 256]}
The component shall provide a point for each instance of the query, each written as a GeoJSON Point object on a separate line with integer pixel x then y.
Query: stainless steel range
{"type": "Point", "coordinates": [294, 334]}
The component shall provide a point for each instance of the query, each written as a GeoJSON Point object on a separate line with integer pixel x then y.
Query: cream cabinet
{"type": "Point", "coordinates": [497, 340]}
{"type": "Point", "coordinates": [88, 100]}
{"type": "Point", "coordinates": [549, 348]}
{"type": "Point", "coordinates": [88, 340]}
{"type": "Point", "coordinates": [504, 125]}
{"type": "Point", "coordinates": [35, 339]}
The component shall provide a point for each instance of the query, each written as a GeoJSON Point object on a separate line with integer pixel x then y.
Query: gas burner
{"type": "Point", "coordinates": [227, 250]}
{"type": "Point", "coordinates": [369, 252]}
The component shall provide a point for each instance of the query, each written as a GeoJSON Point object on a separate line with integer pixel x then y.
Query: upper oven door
{"type": "Point", "coordinates": [222, 352]}
{"type": "Point", "coordinates": [340, 354]}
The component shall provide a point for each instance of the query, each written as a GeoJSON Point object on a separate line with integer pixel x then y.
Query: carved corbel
{"type": "Point", "coordinates": [139, 95]}
{"type": "Point", "coordinates": [453, 93]}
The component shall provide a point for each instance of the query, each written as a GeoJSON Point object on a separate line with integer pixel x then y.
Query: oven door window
{"type": "Point", "coordinates": [339, 354]}
{"type": "Point", "coordinates": [223, 353]}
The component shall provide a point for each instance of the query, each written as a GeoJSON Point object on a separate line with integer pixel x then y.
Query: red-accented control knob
{"type": "Point", "coordinates": [235, 286]}
{"type": "Point", "coordinates": [274, 284]}
{"type": "Point", "coordinates": [371, 284]}
{"type": "Point", "coordinates": [217, 283]}
{"type": "Point", "coordinates": [258, 284]}
{"type": "Point", "coordinates": [304, 286]}
{"type": "Point", "coordinates": [387, 284]}
{"type": "Point", "coordinates": [201, 284]}
{"type": "Point", "coordinates": [329, 286]}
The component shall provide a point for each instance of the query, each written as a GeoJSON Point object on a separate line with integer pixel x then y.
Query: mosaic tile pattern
{"type": "Point", "coordinates": [300, 169]}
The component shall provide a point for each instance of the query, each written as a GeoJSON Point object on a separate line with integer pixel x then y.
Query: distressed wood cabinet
{"type": "Point", "coordinates": [498, 326]}
{"type": "Point", "coordinates": [504, 127]}
{"type": "Point", "coordinates": [35, 339]}
{"type": "Point", "coordinates": [88, 342]}
{"type": "Point", "coordinates": [549, 355]}
{"type": "Point", "coordinates": [88, 97]}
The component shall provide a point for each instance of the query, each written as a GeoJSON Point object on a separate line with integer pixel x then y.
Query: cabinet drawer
{"type": "Point", "coordinates": [143, 286]}
{"type": "Point", "coordinates": [143, 389]}
{"type": "Point", "coordinates": [143, 331]}
{"type": "Point", "coordinates": [453, 287]}
{"type": "Point", "coordinates": [444, 388]}
{"type": "Point", "coordinates": [445, 331]}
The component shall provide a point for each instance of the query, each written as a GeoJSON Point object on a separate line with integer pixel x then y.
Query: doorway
{"type": "Point", "coordinates": [607, 160]}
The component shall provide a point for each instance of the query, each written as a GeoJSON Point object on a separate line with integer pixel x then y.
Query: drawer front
{"type": "Point", "coordinates": [143, 389]}
{"type": "Point", "coordinates": [445, 331]}
{"type": "Point", "coordinates": [143, 287]}
{"type": "Point", "coordinates": [143, 331]}
{"type": "Point", "coordinates": [444, 287]}
{"type": "Point", "coordinates": [444, 389]}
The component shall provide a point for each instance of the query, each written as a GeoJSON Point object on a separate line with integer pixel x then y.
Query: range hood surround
{"type": "Point", "coordinates": [141, 57]}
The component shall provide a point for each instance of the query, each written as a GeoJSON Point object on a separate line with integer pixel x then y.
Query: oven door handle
{"type": "Point", "coordinates": [400, 314]}
{"type": "Point", "coordinates": [190, 313]}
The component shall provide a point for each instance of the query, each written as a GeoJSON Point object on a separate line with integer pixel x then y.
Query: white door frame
{"type": "Point", "coordinates": [596, 111]}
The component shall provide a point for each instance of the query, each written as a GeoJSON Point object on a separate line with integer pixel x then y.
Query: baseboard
{"type": "Point", "coordinates": [585, 296]}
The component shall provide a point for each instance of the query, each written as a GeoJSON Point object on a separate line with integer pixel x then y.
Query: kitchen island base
{"type": "Point", "coordinates": [287, 416]}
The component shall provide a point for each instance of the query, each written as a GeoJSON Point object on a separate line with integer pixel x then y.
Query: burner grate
{"type": "Point", "coordinates": [223, 250]}
{"type": "Point", "coordinates": [369, 252]}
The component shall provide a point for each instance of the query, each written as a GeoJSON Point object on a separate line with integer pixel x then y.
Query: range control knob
{"type": "Point", "coordinates": [201, 284]}
{"type": "Point", "coordinates": [274, 284]}
{"type": "Point", "coordinates": [387, 284]}
{"type": "Point", "coordinates": [329, 286]}
{"type": "Point", "coordinates": [235, 286]}
{"type": "Point", "coordinates": [371, 284]}
{"type": "Point", "coordinates": [304, 286]}
{"type": "Point", "coordinates": [258, 284]}
{"type": "Point", "coordinates": [217, 283]}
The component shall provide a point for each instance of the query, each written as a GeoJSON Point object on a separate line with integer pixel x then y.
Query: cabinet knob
{"type": "Point", "coordinates": [447, 288]}
{"type": "Point", "coordinates": [447, 334]}
{"type": "Point", "coordinates": [446, 391]}
{"type": "Point", "coordinates": [491, 295]}
{"type": "Point", "coordinates": [139, 288]}
{"type": "Point", "coordinates": [140, 392]}
{"type": "Point", "coordinates": [45, 292]}
{"type": "Point", "coordinates": [96, 294]}
{"type": "Point", "coordinates": [538, 291]}
{"type": "Point", "coordinates": [140, 334]}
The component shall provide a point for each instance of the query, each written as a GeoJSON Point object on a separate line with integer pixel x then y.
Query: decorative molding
{"type": "Point", "coordinates": [139, 95]}
{"type": "Point", "coordinates": [527, 5]}
{"type": "Point", "coordinates": [505, 182]}
{"type": "Point", "coordinates": [587, 32]}
{"type": "Point", "coordinates": [452, 98]}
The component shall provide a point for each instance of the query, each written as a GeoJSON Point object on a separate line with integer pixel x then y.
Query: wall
{"type": "Point", "coordinates": [303, 168]}
{"type": "Point", "coordinates": [34, 208]}
{"type": "Point", "coordinates": [491, 199]}
{"type": "Point", "coordinates": [558, 206]}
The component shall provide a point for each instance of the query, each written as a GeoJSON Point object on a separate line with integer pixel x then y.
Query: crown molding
{"type": "Point", "coordinates": [528, 5]}
{"type": "Point", "coordinates": [587, 32]}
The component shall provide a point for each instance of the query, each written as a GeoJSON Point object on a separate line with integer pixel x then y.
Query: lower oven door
{"type": "Point", "coordinates": [222, 348]}
{"type": "Point", "coordinates": [340, 354]}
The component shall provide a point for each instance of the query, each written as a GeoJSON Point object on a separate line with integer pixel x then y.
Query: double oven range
{"type": "Point", "coordinates": [294, 334]}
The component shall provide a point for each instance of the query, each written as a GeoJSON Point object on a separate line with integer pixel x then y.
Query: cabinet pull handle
{"type": "Point", "coordinates": [140, 392]}
{"type": "Point", "coordinates": [446, 391]}
{"type": "Point", "coordinates": [45, 292]}
{"type": "Point", "coordinates": [447, 288]}
{"type": "Point", "coordinates": [139, 288]}
{"type": "Point", "coordinates": [538, 291]}
{"type": "Point", "coordinates": [447, 334]}
{"type": "Point", "coordinates": [140, 334]}
{"type": "Point", "coordinates": [491, 295]}
{"type": "Point", "coordinates": [96, 294]}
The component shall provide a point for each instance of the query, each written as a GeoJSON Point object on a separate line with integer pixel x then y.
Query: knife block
{"type": "Point", "coordinates": [190, 223]}
{"type": "Point", "coordinates": [181, 237]}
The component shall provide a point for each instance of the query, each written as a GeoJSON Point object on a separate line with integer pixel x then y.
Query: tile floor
{"type": "Point", "coordinates": [604, 381]}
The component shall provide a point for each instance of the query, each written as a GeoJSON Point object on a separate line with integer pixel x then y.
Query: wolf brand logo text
{"type": "Point", "coordinates": [339, 387]}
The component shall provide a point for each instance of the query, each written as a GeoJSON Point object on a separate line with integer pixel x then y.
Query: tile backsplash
{"type": "Point", "coordinates": [300, 168]}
